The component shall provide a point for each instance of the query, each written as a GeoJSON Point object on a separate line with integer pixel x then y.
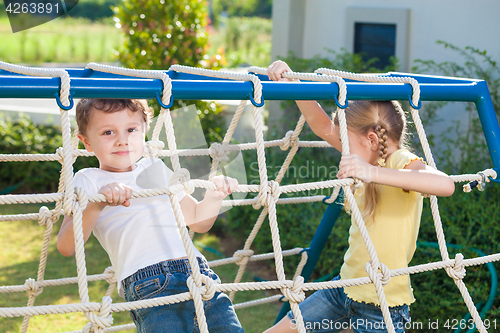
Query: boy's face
{"type": "Point", "coordinates": [117, 139]}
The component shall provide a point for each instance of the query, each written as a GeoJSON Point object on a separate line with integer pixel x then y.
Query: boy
{"type": "Point", "coordinates": [141, 236]}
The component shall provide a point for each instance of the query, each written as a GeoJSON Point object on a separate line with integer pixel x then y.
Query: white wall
{"type": "Point", "coordinates": [460, 22]}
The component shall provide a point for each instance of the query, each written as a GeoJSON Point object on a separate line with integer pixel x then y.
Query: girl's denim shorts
{"type": "Point", "coordinates": [330, 310]}
{"type": "Point", "coordinates": [169, 278]}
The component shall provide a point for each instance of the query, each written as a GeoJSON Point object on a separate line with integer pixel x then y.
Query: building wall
{"type": "Point", "coordinates": [307, 27]}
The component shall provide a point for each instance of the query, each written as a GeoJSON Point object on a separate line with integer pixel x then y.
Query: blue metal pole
{"type": "Point", "coordinates": [489, 122]}
{"type": "Point", "coordinates": [38, 87]}
{"type": "Point", "coordinates": [318, 243]}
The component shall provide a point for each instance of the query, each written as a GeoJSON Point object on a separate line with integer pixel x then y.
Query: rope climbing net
{"type": "Point", "coordinates": [72, 201]}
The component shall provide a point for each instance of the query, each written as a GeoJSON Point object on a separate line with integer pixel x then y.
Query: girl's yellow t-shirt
{"type": "Point", "coordinates": [393, 231]}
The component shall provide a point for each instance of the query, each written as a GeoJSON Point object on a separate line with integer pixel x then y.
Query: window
{"type": "Point", "coordinates": [379, 32]}
{"type": "Point", "coordinates": [375, 40]}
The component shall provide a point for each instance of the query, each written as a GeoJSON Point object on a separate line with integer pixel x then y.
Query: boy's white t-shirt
{"type": "Point", "coordinates": [144, 233]}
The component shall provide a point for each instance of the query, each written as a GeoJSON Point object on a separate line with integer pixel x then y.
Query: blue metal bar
{"type": "Point", "coordinates": [489, 122]}
{"type": "Point", "coordinates": [40, 87]}
{"type": "Point", "coordinates": [318, 243]}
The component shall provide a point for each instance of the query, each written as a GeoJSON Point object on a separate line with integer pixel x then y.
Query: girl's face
{"type": "Point", "coordinates": [117, 139]}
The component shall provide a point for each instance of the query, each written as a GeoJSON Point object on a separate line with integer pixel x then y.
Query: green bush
{"type": "Point", "coordinates": [469, 220]}
{"type": "Point", "coordinates": [24, 137]}
{"type": "Point", "coordinates": [160, 34]}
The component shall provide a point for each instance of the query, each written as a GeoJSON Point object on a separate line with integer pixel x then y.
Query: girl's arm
{"type": "Point", "coordinates": [320, 122]}
{"type": "Point", "coordinates": [416, 176]}
{"type": "Point", "coordinates": [116, 194]}
{"type": "Point", "coordinates": [200, 216]}
{"type": "Point", "coordinates": [316, 117]}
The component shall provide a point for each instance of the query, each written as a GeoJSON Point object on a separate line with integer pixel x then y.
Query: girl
{"type": "Point", "coordinates": [390, 202]}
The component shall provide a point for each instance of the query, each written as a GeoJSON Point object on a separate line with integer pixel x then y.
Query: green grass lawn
{"type": "Point", "coordinates": [20, 246]}
{"type": "Point", "coordinates": [239, 41]}
{"type": "Point", "coordinates": [62, 40]}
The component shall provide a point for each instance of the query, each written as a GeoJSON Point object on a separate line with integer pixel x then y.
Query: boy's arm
{"type": "Point", "coordinates": [316, 117]}
{"type": "Point", "coordinates": [66, 239]}
{"type": "Point", "coordinates": [200, 216]}
{"type": "Point", "coordinates": [116, 194]}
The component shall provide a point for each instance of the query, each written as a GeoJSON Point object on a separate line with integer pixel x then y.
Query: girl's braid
{"type": "Point", "coordinates": [383, 143]}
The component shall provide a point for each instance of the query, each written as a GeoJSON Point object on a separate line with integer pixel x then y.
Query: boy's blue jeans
{"type": "Point", "coordinates": [330, 310]}
{"type": "Point", "coordinates": [168, 278]}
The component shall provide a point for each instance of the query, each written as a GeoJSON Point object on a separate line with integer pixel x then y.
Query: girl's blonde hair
{"type": "Point", "coordinates": [387, 119]}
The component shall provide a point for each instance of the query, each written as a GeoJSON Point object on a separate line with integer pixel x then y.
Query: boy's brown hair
{"type": "Point", "coordinates": [85, 106]}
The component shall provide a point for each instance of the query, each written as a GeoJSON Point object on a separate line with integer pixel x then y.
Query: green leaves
{"type": "Point", "coordinates": [162, 33]}
{"type": "Point", "coordinates": [22, 136]}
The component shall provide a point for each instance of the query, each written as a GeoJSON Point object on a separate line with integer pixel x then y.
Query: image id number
{"type": "Point", "coordinates": [463, 324]}
{"type": "Point", "coordinates": [32, 8]}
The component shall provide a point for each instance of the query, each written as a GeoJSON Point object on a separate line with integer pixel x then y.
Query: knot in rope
{"type": "Point", "coordinates": [384, 276]}
{"type": "Point", "coordinates": [275, 191]}
{"type": "Point", "coordinates": [207, 291]}
{"type": "Point", "coordinates": [289, 140]}
{"type": "Point", "coordinates": [243, 256]}
{"type": "Point", "coordinates": [457, 272]}
{"type": "Point", "coordinates": [209, 288]}
{"type": "Point", "coordinates": [218, 152]}
{"type": "Point", "coordinates": [44, 216]}
{"type": "Point", "coordinates": [35, 289]}
{"type": "Point", "coordinates": [272, 190]}
{"type": "Point", "coordinates": [104, 318]}
{"type": "Point", "coordinates": [296, 293]}
{"type": "Point", "coordinates": [153, 148]}
{"type": "Point", "coordinates": [182, 177]}
{"type": "Point", "coordinates": [82, 198]}
{"type": "Point", "coordinates": [60, 154]}
{"type": "Point", "coordinates": [110, 270]}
